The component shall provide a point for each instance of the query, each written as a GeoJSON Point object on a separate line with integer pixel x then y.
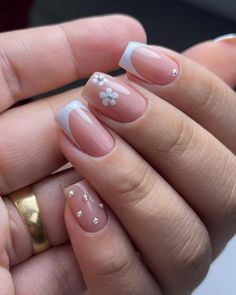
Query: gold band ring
{"type": "Point", "coordinates": [27, 205]}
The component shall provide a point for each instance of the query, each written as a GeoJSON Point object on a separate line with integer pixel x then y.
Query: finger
{"type": "Point", "coordinates": [186, 85]}
{"type": "Point", "coordinates": [54, 271]}
{"type": "Point", "coordinates": [37, 60]}
{"type": "Point", "coordinates": [29, 148]}
{"type": "Point", "coordinates": [145, 204]}
{"type": "Point", "coordinates": [50, 197]}
{"type": "Point", "coordinates": [218, 56]}
{"type": "Point", "coordinates": [177, 147]}
{"type": "Point", "coordinates": [6, 283]}
{"type": "Point", "coordinates": [108, 261]}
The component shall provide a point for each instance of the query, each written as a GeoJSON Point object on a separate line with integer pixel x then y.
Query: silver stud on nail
{"type": "Point", "coordinates": [95, 220]}
{"type": "Point", "coordinates": [85, 198]}
{"type": "Point", "coordinates": [70, 194]}
{"type": "Point", "coordinates": [79, 213]}
{"type": "Point", "coordinates": [174, 72]}
{"type": "Point", "coordinates": [101, 205]}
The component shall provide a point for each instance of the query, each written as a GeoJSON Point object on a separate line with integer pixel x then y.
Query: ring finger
{"type": "Point", "coordinates": [155, 216]}
{"type": "Point", "coordinates": [50, 198]}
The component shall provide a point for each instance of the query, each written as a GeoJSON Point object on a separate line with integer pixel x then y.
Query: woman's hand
{"type": "Point", "coordinates": [32, 62]}
{"type": "Point", "coordinates": [166, 169]}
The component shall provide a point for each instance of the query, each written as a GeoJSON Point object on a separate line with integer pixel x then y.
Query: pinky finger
{"type": "Point", "coordinates": [107, 259]}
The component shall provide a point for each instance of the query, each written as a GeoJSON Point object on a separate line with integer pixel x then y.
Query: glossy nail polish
{"type": "Point", "coordinates": [112, 97]}
{"type": "Point", "coordinates": [229, 38]}
{"type": "Point", "coordinates": [86, 206]}
{"type": "Point", "coordinates": [80, 125]}
{"type": "Point", "coordinates": [149, 64]}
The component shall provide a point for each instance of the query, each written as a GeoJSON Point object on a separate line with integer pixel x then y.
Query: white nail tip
{"type": "Point", "coordinates": [225, 37]}
{"type": "Point", "coordinates": [63, 115]}
{"type": "Point", "coordinates": [125, 61]}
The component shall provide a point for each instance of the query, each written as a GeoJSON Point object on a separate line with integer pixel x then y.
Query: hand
{"type": "Point", "coordinates": [175, 198]}
{"type": "Point", "coordinates": [33, 62]}
{"type": "Point", "coordinates": [29, 147]}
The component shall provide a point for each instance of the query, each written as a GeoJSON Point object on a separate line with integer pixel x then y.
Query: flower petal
{"type": "Point", "coordinates": [94, 80]}
{"type": "Point", "coordinates": [114, 95]}
{"type": "Point", "coordinates": [95, 76]}
{"type": "Point", "coordinates": [100, 83]}
{"type": "Point", "coordinates": [102, 95]}
{"type": "Point", "coordinates": [105, 102]}
{"type": "Point", "coordinates": [112, 102]}
{"type": "Point", "coordinates": [108, 90]}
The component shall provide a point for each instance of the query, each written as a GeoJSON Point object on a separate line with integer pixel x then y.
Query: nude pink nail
{"type": "Point", "coordinates": [86, 206]}
{"type": "Point", "coordinates": [81, 126]}
{"type": "Point", "coordinates": [112, 97]}
{"type": "Point", "coordinates": [149, 64]}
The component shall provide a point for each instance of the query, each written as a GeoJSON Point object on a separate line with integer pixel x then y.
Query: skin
{"type": "Point", "coordinates": [25, 159]}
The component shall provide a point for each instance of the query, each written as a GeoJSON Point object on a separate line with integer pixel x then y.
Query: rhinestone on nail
{"type": "Point", "coordinates": [79, 213]}
{"type": "Point", "coordinates": [70, 194]}
{"type": "Point", "coordinates": [85, 198]}
{"type": "Point", "coordinates": [95, 220]}
{"type": "Point", "coordinates": [174, 72]}
{"type": "Point", "coordinates": [101, 205]}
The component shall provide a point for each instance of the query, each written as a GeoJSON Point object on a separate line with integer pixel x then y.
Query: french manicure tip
{"type": "Point", "coordinates": [225, 37]}
{"type": "Point", "coordinates": [62, 115]}
{"type": "Point", "coordinates": [125, 58]}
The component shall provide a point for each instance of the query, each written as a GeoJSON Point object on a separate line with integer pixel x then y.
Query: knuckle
{"type": "Point", "coordinates": [195, 257]}
{"type": "Point", "coordinates": [211, 91]}
{"type": "Point", "coordinates": [113, 265]}
{"type": "Point", "coordinates": [10, 75]}
{"type": "Point", "coordinates": [179, 139]}
{"type": "Point", "coordinates": [132, 186]}
{"type": "Point", "coordinates": [230, 205]}
{"type": "Point", "coordinates": [5, 183]}
{"type": "Point", "coordinates": [60, 273]}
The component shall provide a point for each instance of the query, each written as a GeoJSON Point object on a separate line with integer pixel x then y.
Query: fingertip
{"type": "Point", "coordinates": [136, 31]}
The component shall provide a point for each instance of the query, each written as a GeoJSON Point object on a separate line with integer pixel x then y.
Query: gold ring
{"type": "Point", "coordinates": [27, 205]}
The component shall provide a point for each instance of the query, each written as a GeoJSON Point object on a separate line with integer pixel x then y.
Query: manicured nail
{"type": "Point", "coordinates": [85, 130]}
{"type": "Point", "coordinates": [149, 64]}
{"type": "Point", "coordinates": [230, 38]}
{"type": "Point", "coordinates": [112, 97]}
{"type": "Point", "coordinates": [86, 206]}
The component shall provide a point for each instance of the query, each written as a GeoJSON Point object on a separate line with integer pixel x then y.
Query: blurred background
{"type": "Point", "coordinates": [173, 23]}
{"type": "Point", "coordinates": [177, 24]}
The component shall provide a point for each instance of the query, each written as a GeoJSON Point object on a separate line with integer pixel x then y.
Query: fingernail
{"type": "Point", "coordinates": [230, 38]}
{"type": "Point", "coordinates": [149, 64]}
{"type": "Point", "coordinates": [112, 97]}
{"type": "Point", "coordinates": [84, 129]}
{"type": "Point", "coordinates": [86, 206]}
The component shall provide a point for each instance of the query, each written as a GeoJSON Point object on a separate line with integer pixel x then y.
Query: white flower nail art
{"type": "Point", "coordinates": [108, 97]}
{"type": "Point", "coordinates": [99, 79]}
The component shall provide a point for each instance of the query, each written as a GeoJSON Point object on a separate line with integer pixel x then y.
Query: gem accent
{"type": "Point", "coordinates": [95, 220]}
{"type": "Point", "coordinates": [70, 194]}
{"type": "Point", "coordinates": [101, 205]}
{"type": "Point", "coordinates": [79, 213]}
{"type": "Point", "coordinates": [174, 72]}
{"type": "Point", "coordinates": [85, 198]}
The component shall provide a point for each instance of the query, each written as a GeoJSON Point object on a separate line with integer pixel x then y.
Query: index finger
{"type": "Point", "coordinates": [38, 60]}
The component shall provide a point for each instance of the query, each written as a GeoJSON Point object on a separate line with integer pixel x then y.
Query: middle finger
{"type": "Point", "coordinates": [192, 160]}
